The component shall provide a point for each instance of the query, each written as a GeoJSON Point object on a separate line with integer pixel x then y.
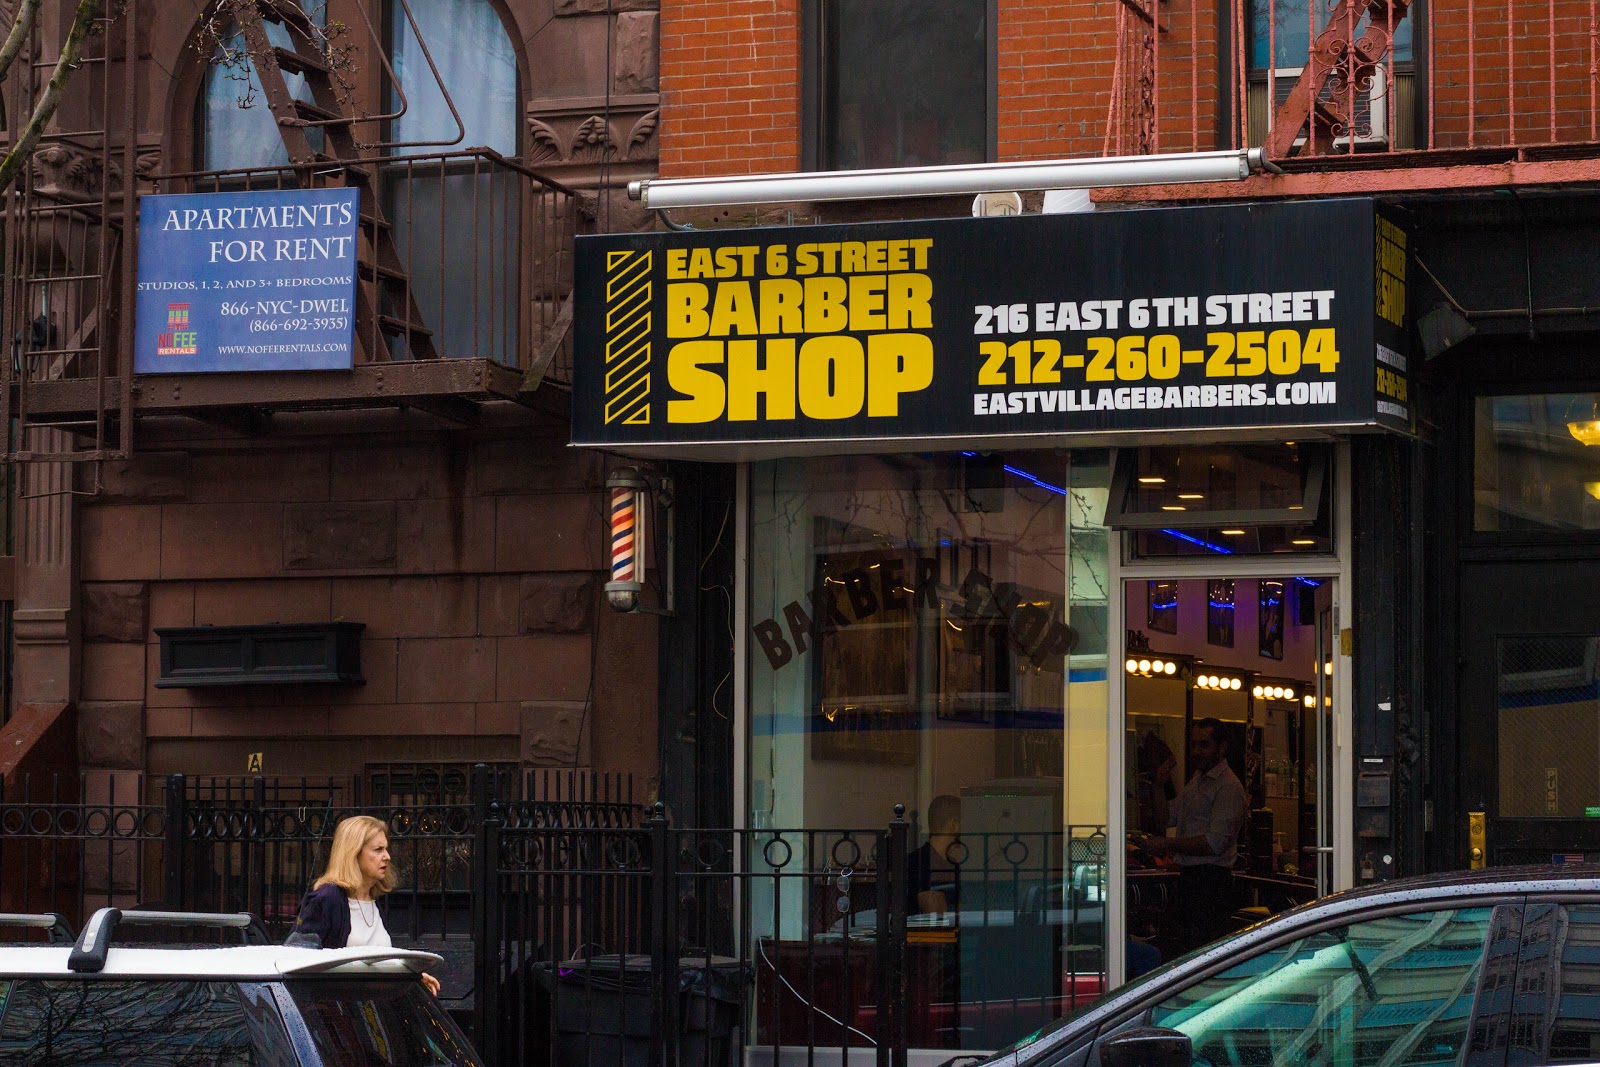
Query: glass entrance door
{"type": "Point", "coordinates": [1530, 709]}
{"type": "Point", "coordinates": [1227, 746]}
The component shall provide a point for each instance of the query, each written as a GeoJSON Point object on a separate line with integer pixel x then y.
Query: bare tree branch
{"type": "Point", "coordinates": [18, 35]}
{"type": "Point", "coordinates": [22, 149]}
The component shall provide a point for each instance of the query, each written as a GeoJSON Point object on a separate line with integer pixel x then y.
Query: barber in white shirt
{"type": "Point", "coordinates": [1203, 829]}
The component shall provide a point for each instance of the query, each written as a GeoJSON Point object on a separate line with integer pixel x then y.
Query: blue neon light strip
{"type": "Point", "coordinates": [1207, 545]}
{"type": "Point", "coordinates": [1034, 478]}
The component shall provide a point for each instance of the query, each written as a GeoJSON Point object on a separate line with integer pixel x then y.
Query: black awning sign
{"type": "Point", "coordinates": [1252, 316]}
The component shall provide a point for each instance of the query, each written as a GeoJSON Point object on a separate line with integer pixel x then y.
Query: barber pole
{"type": "Point", "coordinates": [624, 517]}
{"type": "Point", "coordinates": [627, 539]}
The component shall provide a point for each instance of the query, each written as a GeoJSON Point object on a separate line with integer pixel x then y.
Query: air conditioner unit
{"type": "Point", "coordinates": [1372, 106]}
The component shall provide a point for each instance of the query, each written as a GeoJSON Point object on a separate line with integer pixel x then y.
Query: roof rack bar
{"type": "Point", "coordinates": [88, 955]}
{"type": "Point", "coordinates": [254, 932]}
{"type": "Point", "coordinates": [60, 930]}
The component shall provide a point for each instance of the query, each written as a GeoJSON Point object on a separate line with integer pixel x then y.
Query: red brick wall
{"type": "Point", "coordinates": [731, 82]}
{"type": "Point", "coordinates": [1054, 64]}
{"type": "Point", "coordinates": [730, 87]}
{"type": "Point", "coordinates": [1473, 76]}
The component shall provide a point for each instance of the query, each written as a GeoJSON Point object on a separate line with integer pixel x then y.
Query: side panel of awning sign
{"type": "Point", "coordinates": [1253, 317]}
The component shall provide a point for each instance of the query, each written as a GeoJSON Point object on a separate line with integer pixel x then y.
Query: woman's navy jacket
{"type": "Point", "coordinates": [325, 915]}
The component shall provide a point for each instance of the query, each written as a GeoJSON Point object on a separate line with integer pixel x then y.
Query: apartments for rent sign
{"type": "Point", "coordinates": [892, 334]}
{"type": "Point", "coordinates": [246, 281]}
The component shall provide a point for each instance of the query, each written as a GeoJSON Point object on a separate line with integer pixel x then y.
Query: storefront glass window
{"type": "Point", "coordinates": [1226, 500]}
{"type": "Point", "coordinates": [930, 630]}
{"type": "Point", "coordinates": [1537, 464]}
{"type": "Point", "coordinates": [1548, 726]}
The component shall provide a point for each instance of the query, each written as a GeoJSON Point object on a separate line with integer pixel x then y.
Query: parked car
{"type": "Point", "coordinates": [97, 1003]}
{"type": "Point", "coordinates": [1493, 968]}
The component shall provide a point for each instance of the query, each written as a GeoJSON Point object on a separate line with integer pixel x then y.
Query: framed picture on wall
{"type": "Point", "coordinates": [1162, 613]}
{"type": "Point", "coordinates": [1269, 617]}
{"type": "Point", "coordinates": [1219, 612]}
{"type": "Point", "coordinates": [862, 707]}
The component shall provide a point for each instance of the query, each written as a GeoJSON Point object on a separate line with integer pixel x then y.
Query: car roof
{"type": "Point", "coordinates": [1450, 889]}
{"type": "Point", "coordinates": [238, 962]}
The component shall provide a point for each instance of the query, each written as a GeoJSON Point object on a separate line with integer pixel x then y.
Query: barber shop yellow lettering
{"type": "Point", "coordinates": [823, 304]}
{"type": "Point", "coordinates": [826, 333]}
{"type": "Point", "coordinates": [829, 378]}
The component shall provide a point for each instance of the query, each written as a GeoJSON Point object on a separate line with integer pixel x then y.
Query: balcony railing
{"type": "Point", "coordinates": [484, 247]}
{"type": "Point", "coordinates": [465, 269]}
{"type": "Point", "coordinates": [1471, 80]}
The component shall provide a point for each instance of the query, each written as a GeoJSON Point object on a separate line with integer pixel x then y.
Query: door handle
{"type": "Point", "coordinates": [1477, 840]}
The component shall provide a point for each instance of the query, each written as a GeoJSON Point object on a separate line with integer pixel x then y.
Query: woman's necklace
{"type": "Point", "coordinates": [361, 910]}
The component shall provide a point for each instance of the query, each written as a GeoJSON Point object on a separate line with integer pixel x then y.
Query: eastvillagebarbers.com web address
{"type": "Point", "coordinates": [265, 350]}
{"type": "Point", "coordinates": [1154, 397]}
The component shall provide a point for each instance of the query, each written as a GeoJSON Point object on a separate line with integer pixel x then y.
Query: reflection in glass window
{"type": "Point", "coordinates": [1391, 991]}
{"type": "Point", "coordinates": [476, 62]}
{"type": "Point", "coordinates": [113, 1023]}
{"type": "Point", "coordinates": [457, 222]}
{"type": "Point", "coordinates": [905, 83]}
{"type": "Point", "coordinates": [378, 1023]}
{"type": "Point", "coordinates": [238, 129]}
{"type": "Point", "coordinates": [1284, 27]}
{"type": "Point", "coordinates": [1225, 500]}
{"type": "Point", "coordinates": [1548, 725]}
{"type": "Point", "coordinates": [930, 631]}
{"type": "Point", "coordinates": [1562, 1023]}
{"type": "Point", "coordinates": [1537, 463]}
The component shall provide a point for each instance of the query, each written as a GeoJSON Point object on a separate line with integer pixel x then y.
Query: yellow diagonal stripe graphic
{"type": "Point", "coordinates": [627, 375]}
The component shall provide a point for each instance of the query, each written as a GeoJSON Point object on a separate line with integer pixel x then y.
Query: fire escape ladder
{"type": "Point", "coordinates": [1322, 107]}
{"type": "Point", "coordinates": [64, 267]}
{"type": "Point", "coordinates": [389, 324]}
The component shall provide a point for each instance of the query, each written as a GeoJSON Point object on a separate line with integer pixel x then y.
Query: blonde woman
{"type": "Point", "coordinates": [342, 908]}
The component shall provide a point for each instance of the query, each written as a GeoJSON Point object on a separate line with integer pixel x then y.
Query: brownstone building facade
{"type": "Point", "coordinates": [433, 503]}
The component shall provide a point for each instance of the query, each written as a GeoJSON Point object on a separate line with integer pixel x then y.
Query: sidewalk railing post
{"type": "Point", "coordinates": [486, 919]}
{"type": "Point", "coordinates": [894, 923]}
{"type": "Point", "coordinates": [663, 942]}
{"type": "Point", "coordinates": [173, 849]}
{"type": "Point", "coordinates": [256, 888]}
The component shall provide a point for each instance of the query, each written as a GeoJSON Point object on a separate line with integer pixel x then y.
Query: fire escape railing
{"type": "Point", "coordinates": [462, 254]}
{"type": "Point", "coordinates": [1335, 78]}
{"type": "Point", "coordinates": [479, 262]}
{"type": "Point", "coordinates": [65, 263]}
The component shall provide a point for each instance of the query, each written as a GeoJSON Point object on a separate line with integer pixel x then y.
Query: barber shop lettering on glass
{"type": "Point", "coordinates": [1034, 626]}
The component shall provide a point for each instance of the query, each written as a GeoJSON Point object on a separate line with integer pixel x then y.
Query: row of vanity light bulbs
{"type": "Point", "coordinates": [1159, 668]}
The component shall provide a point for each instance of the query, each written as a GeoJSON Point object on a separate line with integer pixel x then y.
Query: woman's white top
{"type": "Point", "coordinates": [366, 925]}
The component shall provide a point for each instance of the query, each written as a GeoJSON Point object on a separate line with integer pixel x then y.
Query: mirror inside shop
{"type": "Point", "coordinates": [1227, 691]}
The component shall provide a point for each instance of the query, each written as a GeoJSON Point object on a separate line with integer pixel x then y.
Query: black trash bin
{"type": "Point", "coordinates": [710, 1010]}
{"type": "Point", "coordinates": [601, 1010]}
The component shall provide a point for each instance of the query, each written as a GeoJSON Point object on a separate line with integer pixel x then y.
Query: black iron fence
{"type": "Point", "coordinates": [578, 928]}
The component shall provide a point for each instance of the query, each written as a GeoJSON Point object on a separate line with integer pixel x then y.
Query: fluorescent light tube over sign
{"type": "Point", "coordinates": [1028, 176]}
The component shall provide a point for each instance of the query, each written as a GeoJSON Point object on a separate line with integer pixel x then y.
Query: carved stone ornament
{"type": "Point", "coordinates": [70, 172]}
{"type": "Point", "coordinates": [578, 133]}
